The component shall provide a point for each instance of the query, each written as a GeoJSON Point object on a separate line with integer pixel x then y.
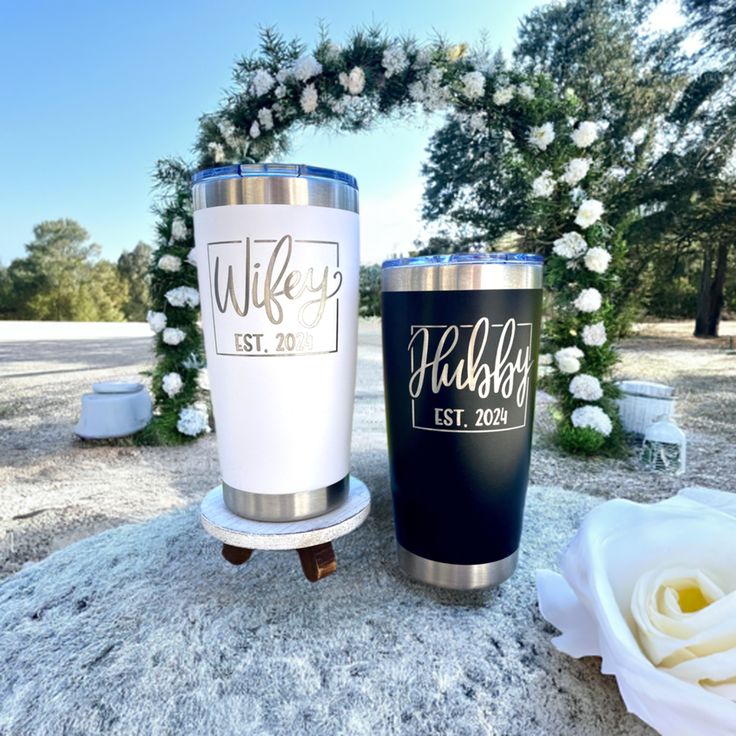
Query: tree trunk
{"type": "Point", "coordinates": [703, 308]}
{"type": "Point", "coordinates": [710, 298]}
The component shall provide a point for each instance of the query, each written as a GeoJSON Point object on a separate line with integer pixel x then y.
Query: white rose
{"type": "Point", "coordinates": [525, 92]}
{"type": "Point", "coordinates": [309, 99]}
{"type": "Point", "coordinates": [651, 588]}
{"type": "Point", "coordinates": [265, 118]}
{"type": "Point", "coordinates": [570, 245]}
{"type": "Point", "coordinates": [156, 321]}
{"type": "Point", "coordinates": [545, 359]}
{"type": "Point", "coordinates": [394, 60]}
{"type": "Point", "coordinates": [503, 95]}
{"type": "Point", "coordinates": [261, 83]}
{"type": "Point", "coordinates": [595, 334]}
{"type": "Point", "coordinates": [306, 67]}
{"type": "Point", "coordinates": [182, 296]}
{"type": "Point", "coordinates": [541, 136]}
{"type": "Point", "coordinates": [172, 384]}
{"type": "Point", "coordinates": [585, 134]}
{"type": "Point", "coordinates": [474, 85]}
{"type": "Point", "coordinates": [354, 83]}
{"type": "Point", "coordinates": [597, 260]}
{"type": "Point", "coordinates": [173, 336]}
{"type": "Point", "coordinates": [568, 359]}
{"type": "Point", "coordinates": [543, 185]}
{"type": "Point", "coordinates": [193, 420]}
{"type": "Point", "coordinates": [588, 300]}
{"type": "Point", "coordinates": [178, 229]}
{"type": "Point", "coordinates": [169, 263]}
{"type": "Point", "coordinates": [589, 213]}
{"type": "Point", "coordinates": [592, 417]}
{"type": "Point", "coordinates": [586, 387]}
{"type": "Point", "coordinates": [255, 130]}
{"type": "Point", "coordinates": [576, 170]}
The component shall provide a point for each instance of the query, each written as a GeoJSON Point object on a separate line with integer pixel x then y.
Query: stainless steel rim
{"type": "Point", "coordinates": [462, 277]}
{"type": "Point", "coordinates": [457, 577]}
{"type": "Point", "coordinates": [294, 190]}
{"type": "Point", "coordinates": [285, 506]}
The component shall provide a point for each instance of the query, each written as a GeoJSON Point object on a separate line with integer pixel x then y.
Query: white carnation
{"type": "Point", "coordinates": [570, 245]}
{"type": "Point", "coordinates": [353, 83]}
{"type": "Point", "coordinates": [156, 321]}
{"type": "Point", "coordinates": [173, 336]}
{"type": "Point", "coordinates": [193, 420]}
{"type": "Point", "coordinates": [255, 130]}
{"type": "Point", "coordinates": [503, 95]}
{"type": "Point", "coordinates": [592, 417]}
{"type": "Point", "coordinates": [568, 359]}
{"type": "Point", "coordinates": [474, 85]}
{"type": "Point", "coordinates": [172, 384]}
{"type": "Point", "coordinates": [525, 91]}
{"type": "Point", "coordinates": [543, 185]}
{"type": "Point", "coordinates": [306, 67]}
{"type": "Point", "coordinates": [597, 260]}
{"type": "Point", "coordinates": [265, 118]}
{"type": "Point", "coordinates": [217, 151]}
{"type": "Point", "coordinates": [182, 296]}
{"type": "Point", "coordinates": [576, 170]}
{"type": "Point", "coordinates": [546, 359]}
{"type": "Point", "coordinates": [309, 99]}
{"type": "Point", "coordinates": [477, 122]}
{"type": "Point", "coordinates": [262, 83]}
{"type": "Point", "coordinates": [589, 212]}
{"type": "Point", "coordinates": [588, 300]}
{"type": "Point", "coordinates": [169, 263]}
{"type": "Point", "coordinates": [541, 136]}
{"type": "Point", "coordinates": [595, 334]}
{"type": "Point", "coordinates": [585, 134]}
{"type": "Point", "coordinates": [178, 229]}
{"type": "Point", "coordinates": [394, 60]}
{"type": "Point", "coordinates": [586, 387]}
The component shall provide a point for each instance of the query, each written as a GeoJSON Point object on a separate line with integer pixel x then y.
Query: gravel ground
{"type": "Point", "coordinates": [57, 489]}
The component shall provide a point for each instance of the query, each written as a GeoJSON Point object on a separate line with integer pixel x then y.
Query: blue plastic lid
{"type": "Point", "coordinates": [531, 259]}
{"type": "Point", "coordinates": [240, 170]}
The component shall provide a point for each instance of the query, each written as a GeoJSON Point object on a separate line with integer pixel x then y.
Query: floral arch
{"type": "Point", "coordinates": [352, 86]}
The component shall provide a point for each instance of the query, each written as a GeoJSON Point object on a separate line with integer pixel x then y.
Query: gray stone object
{"type": "Point", "coordinates": [145, 629]}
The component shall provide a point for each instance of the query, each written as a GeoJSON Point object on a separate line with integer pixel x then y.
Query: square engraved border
{"type": "Point", "coordinates": [284, 354]}
{"type": "Point", "coordinates": [468, 430]}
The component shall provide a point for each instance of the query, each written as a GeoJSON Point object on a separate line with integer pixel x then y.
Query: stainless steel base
{"type": "Point", "coordinates": [457, 577]}
{"type": "Point", "coordinates": [285, 506]}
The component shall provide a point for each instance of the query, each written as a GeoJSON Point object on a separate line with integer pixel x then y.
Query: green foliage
{"type": "Point", "coordinates": [370, 291]}
{"type": "Point", "coordinates": [133, 267]}
{"type": "Point", "coordinates": [580, 440]}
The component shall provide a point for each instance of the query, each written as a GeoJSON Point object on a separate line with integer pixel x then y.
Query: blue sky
{"type": "Point", "coordinates": [96, 91]}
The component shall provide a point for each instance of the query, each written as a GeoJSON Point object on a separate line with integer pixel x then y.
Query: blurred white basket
{"type": "Point", "coordinates": [115, 409]}
{"type": "Point", "coordinates": [642, 403]}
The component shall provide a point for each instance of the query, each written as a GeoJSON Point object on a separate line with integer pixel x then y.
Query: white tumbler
{"type": "Point", "coordinates": [277, 252]}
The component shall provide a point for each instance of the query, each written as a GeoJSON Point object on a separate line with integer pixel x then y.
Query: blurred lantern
{"type": "Point", "coordinates": [664, 447]}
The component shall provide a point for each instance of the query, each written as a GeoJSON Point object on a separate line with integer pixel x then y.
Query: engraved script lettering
{"type": "Point", "coordinates": [506, 375]}
{"type": "Point", "coordinates": [265, 291]}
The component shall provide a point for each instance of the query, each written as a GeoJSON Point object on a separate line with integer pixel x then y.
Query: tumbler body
{"type": "Point", "coordinates": [277, 252]}
{"type": "Point", "coordinates": [460, 343]}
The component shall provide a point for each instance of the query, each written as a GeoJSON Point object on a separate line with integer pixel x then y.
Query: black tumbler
{"type": "Point", "coordinates": [460, 348]}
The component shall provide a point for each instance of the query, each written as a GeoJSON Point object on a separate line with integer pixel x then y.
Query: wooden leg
{"type": "Point", "coordinates": [236, 555]}
{"type": "Point", "coordinates": [318, 562]}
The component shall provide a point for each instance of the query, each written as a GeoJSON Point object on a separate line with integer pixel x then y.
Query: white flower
{"type": "Point", "coordinates": [178, 229]}
{"type": "Point", "coordinates": [595, 334]}
{"type": "Point", "coordinates": [394, 60]}
{"type": "Point", "coordinates": [193, 420]}
{"type": "Point", "coordinates": [546, 359]}
{"type": "Point", "coordinates": [262, 83]}
{"type": "Point", "coordinates": [585, 134]}
{"type": "Point", "coordinates": [597, 260]}
{"type": "Point", "coordinates": [477, 122]}
{"type": "Point", "coordinates": [416, 91]}
{"type": "Point", "coordinates": [228, 132]}
{"type": "Point", "coordinates": [586, 387]}
{"type": "Point", "coordinates": [541, 136]}
{"type": "Point", "coordinates": [173, 335]}
{"type": "Point", "coordinates": [543, 185]}
{"type": "Point", "coordinates": [525, 92]}
{"type": "Point", "coordinates": [423, 58]}
{"type": "Point", "coordinates": [570, 245]}
{"type": "Point", "coordinates": [203, 379]}
{"type": "Point", "coordinates": [474, 85]}
{"type": "Point", "coordinates": [568, 359]}
{"type": "Point", "coordinates": [169, 263]}
{"type": "Point", "coordinates": [192, 257]}
{"type": "Point", "coordinates": [280, 91]}
{"type": "Point", "coordinates": [306, 67]}
{"type": "Point", "coordinates": [255, 130]}
{"type": "Point", "coordinates": [576, 170]}
{"type": "Point", "coordinates": [332, 51]}
{"type": "Point", "coordinates": [639, 136]}
{"type": "Point", "coordinates": [182, 296]}
{"type": "Point", "coordinates": [309, 99]}
{"type": "Point", "coordinates": [156, 321]}
{"type": "Point", "coordinates": [640, 581]}
{"type": "Point", "coordinates": [592, 417]}
{"type": "Point", "coordinates": [172, 384]}
{"type": "Point", "coordinates": [192, 361]}
{"type": "Point", "coordinates": [217, 151]}
{"type": "Point", "coordinates": [503, 95]}
{"type": "Point", "coordinates": [589, 212]}
{"type": "Point", "coordinates": [588, 300]}
{"type": "Point", "coordinates": [354, 83]}
{"type": "Point", "coordinates": [265, 118]}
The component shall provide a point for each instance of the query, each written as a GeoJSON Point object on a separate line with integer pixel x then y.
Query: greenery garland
{"type": "Point", "coordinates": [349, 88]}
